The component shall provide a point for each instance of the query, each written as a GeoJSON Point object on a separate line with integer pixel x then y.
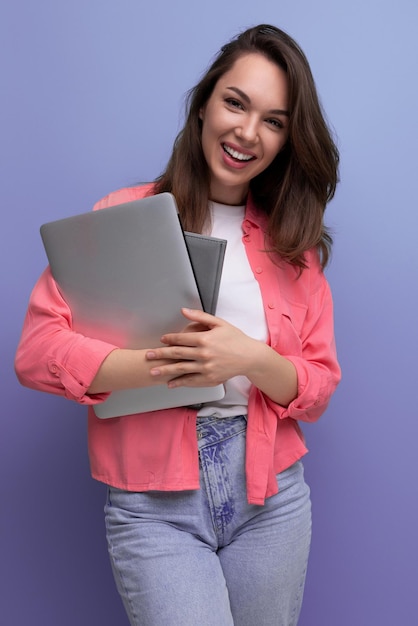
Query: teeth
{"type": "Point", "coordinates": [237, 155]}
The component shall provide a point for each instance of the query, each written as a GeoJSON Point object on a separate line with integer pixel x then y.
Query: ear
{"type": "Point", "coordinates": [202, 113]}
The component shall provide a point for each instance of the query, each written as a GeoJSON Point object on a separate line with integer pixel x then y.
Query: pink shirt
{"type": "Point", "coordinates": [158, 450]}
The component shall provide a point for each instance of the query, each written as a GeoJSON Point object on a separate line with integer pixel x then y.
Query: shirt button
{"type": "Point", "coordinates": [258, 270]}
{"type": "Point", "coordinates": [271, 305]}
{"type": "Point", "coordinates": [247, 238]}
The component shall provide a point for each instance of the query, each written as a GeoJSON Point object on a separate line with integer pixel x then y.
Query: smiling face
{"type": "Point", "coordinates": [244, 125]}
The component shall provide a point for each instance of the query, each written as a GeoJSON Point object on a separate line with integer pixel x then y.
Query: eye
{"type": "Point", "coordinates": [275, 123]}
{"type": "Point", "coordinates": [234, 103]}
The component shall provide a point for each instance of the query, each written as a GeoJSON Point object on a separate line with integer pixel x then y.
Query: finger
{"type": "Point", "coordinates": [195, 315]}
{"type": "Point", "coordinates": [194, 327]}
{"type": "Point", "coordinates": [195, 379]}
{"type": "Point", "coordinates": [189, 380]}
{"type": "Point", "coordinates": [173, 353]}
{"type": "Point", "coordinates": [177, 370]}
{"type": "Point", "coordinates": [188, 339]}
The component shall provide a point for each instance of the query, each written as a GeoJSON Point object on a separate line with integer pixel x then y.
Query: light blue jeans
{"type": "Point", "coordinates": [207, 557]}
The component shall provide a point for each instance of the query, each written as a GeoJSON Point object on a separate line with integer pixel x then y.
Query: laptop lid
{"type": "Point", "coordinates": [125, 273]}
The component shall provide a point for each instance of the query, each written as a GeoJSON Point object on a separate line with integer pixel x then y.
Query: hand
{"type": "Point", "coordinates": [208, 352]}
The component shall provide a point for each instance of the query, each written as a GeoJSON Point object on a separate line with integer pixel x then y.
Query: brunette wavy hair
{"type": "Point", "coordinates": [296, 187]}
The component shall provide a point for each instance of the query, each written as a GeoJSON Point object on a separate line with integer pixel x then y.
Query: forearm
{"type": "Point", "coordinates": [272, 373]}
{"type": "Point", "coordinates": [124, 369]}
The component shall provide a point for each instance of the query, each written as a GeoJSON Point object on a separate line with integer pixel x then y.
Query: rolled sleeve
{"type": "Point", "coordinates": [316, 364]}
{"type": "Point", "coordinates": [75, 375]}
{"type": "Point", "coordinates": [51, 356]}
{"type": "Point", "coordinates": [316, 384]}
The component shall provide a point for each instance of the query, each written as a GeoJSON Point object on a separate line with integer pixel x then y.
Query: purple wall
{"type": "Point", "coordinates": [91, 94]}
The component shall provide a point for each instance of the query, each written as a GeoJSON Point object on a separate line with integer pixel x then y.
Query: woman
{"type": "Point", "coordinates": [208, 515]}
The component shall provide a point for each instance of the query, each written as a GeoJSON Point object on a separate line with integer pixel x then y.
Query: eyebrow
{"type": "Point", "coordinates": [247, 99]}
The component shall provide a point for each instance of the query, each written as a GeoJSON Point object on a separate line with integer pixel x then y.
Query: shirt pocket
{"type": "Point", "coordinates": [289, 340]}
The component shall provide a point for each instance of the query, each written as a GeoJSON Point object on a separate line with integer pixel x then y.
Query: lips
{"type": "Point", "coordinates": [237, 155]}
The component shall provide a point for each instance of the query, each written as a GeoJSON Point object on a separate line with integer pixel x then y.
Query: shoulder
{"type": "Point", "coordinates": [126, 194]}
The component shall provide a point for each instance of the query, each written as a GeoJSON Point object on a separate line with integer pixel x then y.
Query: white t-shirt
{"type": "Point", "coordinates": [239, 303]}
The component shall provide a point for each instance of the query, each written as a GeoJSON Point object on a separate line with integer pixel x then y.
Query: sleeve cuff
{"type": "Point", "coordinates": [76, 378]}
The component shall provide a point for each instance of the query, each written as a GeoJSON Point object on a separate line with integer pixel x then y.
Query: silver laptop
{"type": "Point", "coordinates": [125, 273]}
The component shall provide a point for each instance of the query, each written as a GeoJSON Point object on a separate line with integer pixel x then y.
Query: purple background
{"type": "Point", "coordinates": [91, 95]}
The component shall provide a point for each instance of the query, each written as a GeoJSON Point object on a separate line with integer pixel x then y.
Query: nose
{"type": "Point", "coordinates": [248, 129]}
